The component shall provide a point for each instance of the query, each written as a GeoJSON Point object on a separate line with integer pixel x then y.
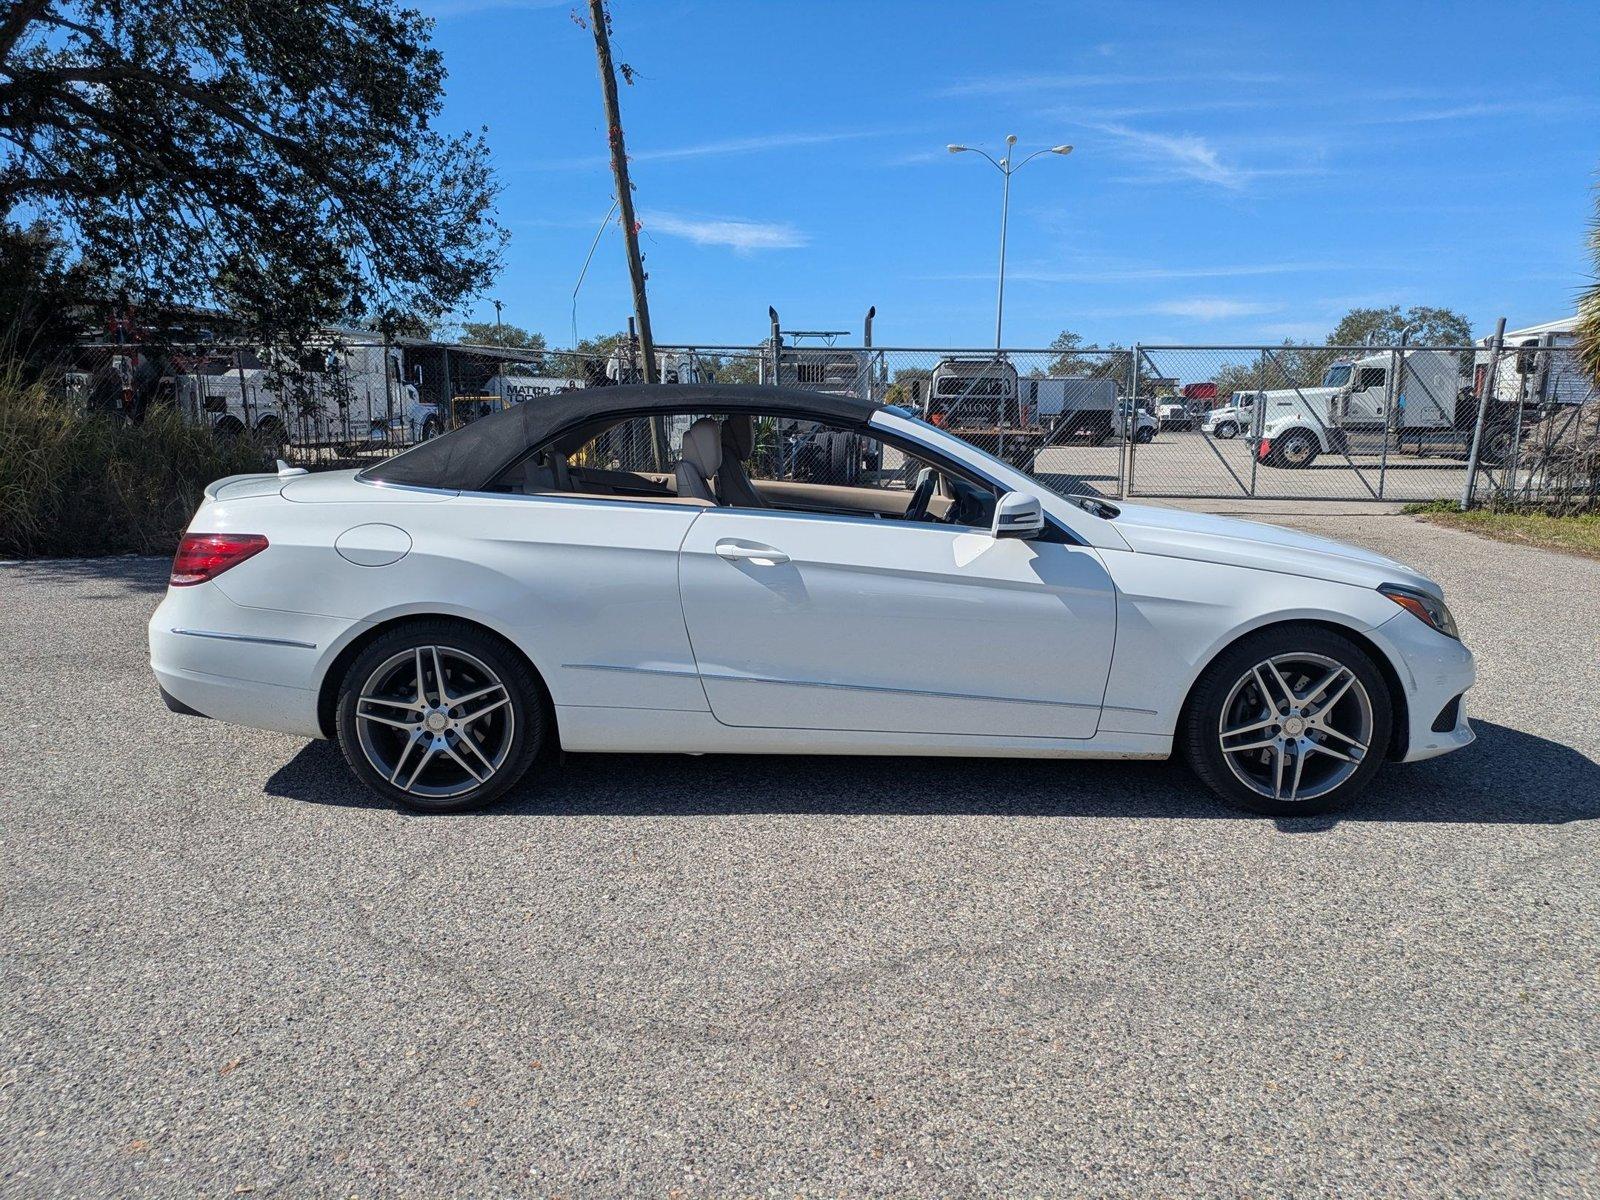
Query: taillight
{"type": "Point", "coordinates": [203, 556]}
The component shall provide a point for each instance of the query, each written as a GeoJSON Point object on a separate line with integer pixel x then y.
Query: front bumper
{"type": "Point", "coordinates": [1434, 672]}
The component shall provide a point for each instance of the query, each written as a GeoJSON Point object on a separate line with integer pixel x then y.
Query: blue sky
{"type": "Point", "coordinates": [1241, 172]}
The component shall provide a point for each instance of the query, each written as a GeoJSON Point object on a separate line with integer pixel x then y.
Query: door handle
{"type": "Point", "coordinates": [761, 556]}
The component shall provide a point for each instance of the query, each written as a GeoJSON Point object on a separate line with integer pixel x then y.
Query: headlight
{"type": "Point", "coordinates": [1427, 609]}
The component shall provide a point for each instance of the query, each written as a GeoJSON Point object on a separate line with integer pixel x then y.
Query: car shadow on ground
{"type": "Point", "coordinates": [1507, 776]}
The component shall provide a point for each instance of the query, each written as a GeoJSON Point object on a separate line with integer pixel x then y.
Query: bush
{"type": "Point", "coordinates": [80, 484]}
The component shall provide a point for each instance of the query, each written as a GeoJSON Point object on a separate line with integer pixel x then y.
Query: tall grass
{"type": "Point", "coordinates": [81, 484]}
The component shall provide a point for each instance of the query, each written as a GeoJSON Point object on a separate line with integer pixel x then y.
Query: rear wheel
{"type": "Point", "coordinates": [439, 717]}
{"type": "Point", "coordinates": [1290, 722]}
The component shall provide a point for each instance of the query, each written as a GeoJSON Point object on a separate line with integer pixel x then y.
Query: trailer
{"type": "Point", "coordinates": [1069, 407]}
{"type": "Point", "coordinates": [981, 400]}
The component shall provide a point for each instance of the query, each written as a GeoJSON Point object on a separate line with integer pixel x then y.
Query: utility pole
{"type": "Point", "coordinates": [619, 170]}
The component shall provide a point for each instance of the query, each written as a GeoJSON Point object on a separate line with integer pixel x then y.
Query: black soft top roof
{"type": "Point", "coordinates": [469, 458]}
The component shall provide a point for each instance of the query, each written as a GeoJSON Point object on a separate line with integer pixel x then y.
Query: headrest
{"type": "Point", "coordinates": [738, 435]}
{"type": "Point", "coordinates": [702, 446]}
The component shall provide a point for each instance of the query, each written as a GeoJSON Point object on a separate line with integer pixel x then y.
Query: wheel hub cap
{"type": "Point", "coordinates": [1296, 726]}
{"type": "Point", "coordinates": [435, 721]}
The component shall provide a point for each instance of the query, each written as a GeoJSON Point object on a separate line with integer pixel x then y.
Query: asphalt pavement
{"type": "Point", "coordinates": [226, 971]}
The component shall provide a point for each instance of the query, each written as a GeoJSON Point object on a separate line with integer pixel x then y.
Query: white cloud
{"type": "Point", "coordinates": [743, 237]}
{"type": "Point", "coordinates": [1212, 309]}
{"type": "Point", "coordinates": [1185, 154]}
{"type": "Point", "coordinates": [1000, 85]}
{"type": "Point", "coordinates": [757, 144]}
{"type": "Point", "coordinates": [749, 145]}
{"type": "Point", "coordinates": [1557, 108]}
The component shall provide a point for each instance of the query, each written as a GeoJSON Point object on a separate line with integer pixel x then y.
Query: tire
{"type": "Point", "coordinates": [270, 435]}
{"type": "Point", "coordinates": [430, 429]}
{"type": "Point", "coordinates": [228, 431]}
{"type": "Point", "coordinates": [1496, 447]}
{"type": "Point", "coordinates": [416, 755]}
{"type": "Point", "coordinates": [1226, 430]}
{"type": "Point", "coordinates": [1298, 450]}
{"type": "Point", "coordinates": [1144, 436]}
{"type": "Point", "coordinates": [1312, 781]}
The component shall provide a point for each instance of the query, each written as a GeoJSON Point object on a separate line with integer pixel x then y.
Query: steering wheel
{"type": "Point", "coordinates": [917, 510]}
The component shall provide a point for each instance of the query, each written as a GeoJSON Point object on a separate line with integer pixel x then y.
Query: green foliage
{"type": "Point", "coordinates": [83, 484]}
{"type": "Point", "coordinates": [39, 293]}
{"type": "Point", "coordinates": [1589, 306]}
{"type": "Point", "coordinates": [272, 158]}
{"type": "Point", "coordinates": [1073, 358]}
{"type": "Point", "coordinates": [513, 337]}
{"type": "Point", "coordinates": [1383, 326]}
{"type": "Point", "coordinates": [730, 368]}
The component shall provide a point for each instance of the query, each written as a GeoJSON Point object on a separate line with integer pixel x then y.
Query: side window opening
{"type": "Point", "coordinates": [741, 460]}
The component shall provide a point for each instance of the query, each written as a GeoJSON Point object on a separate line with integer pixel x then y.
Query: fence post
{"type": "Point", "coordinates": [1516, 436]}
{"type": "Point", "coordinates": [1391, 403]}
{"type": "Point", "coordinates": [1259, 406]}
{"type": "Point", "coordinates": [1129, 420]}
{"type": "Point", "coordinates": [446, 401]}
{"type": "Point", "coordinates": [1483, 411]}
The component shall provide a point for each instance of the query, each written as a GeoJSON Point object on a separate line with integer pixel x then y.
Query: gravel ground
{"type": "Point", "coordinates": [225, 972]}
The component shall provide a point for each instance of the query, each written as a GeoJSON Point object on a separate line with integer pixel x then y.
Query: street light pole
{"type": "Point", "coordinates": [1007, 169]}
{"type": "Point", "coordinates": [1005, 216]}
{"type": "Point", "coordinates": [496, 304]}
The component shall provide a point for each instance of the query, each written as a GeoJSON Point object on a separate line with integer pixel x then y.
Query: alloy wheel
{"type": "Point", "coordinates": [1296, 726]}
{"type": "Point", "coordinates": [435, 721]}
{"type": "Point", "coordinates": [1297, 450]}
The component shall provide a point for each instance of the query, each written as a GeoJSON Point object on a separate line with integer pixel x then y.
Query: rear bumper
{"type": "Point", "coordinates": [246, 666]}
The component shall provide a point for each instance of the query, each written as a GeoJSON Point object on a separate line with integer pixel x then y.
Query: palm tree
{"type": "Point", "coordinates": [1589, 306]}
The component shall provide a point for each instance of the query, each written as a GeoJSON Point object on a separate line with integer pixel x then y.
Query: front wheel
{"type": "Point", "coordinates": [438, 716]}
{"type": "Point", "coordinates": [1144, 436]}
{"type": "Point", "coordinates": [1291, 721]}
{"type": "Point", "coordinates": [1225, 430]}
{"type": "Point", "coordinates": [1297, 450]}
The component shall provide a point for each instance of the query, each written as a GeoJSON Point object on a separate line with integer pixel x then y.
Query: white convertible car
{"type": "Point", "coordinates": [739, 570]}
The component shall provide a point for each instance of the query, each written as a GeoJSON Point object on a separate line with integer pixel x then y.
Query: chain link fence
{"type": "Point", "coordinates": [1277, 422]}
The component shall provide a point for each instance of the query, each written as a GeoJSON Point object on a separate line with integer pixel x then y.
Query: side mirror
{"type": "Point", "coordinates": [1017, 515]}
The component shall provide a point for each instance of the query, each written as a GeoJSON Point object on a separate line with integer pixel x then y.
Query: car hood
{"type": "Point", "coordinates": [1201, 537]}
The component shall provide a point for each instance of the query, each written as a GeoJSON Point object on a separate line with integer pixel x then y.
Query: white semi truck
{"type": "Point", "coordinates": [1248, 412]}
{"type": "Point", "coordinates": [1538, 366]}
{"type": "Point", "coordinates": [1360, 408]}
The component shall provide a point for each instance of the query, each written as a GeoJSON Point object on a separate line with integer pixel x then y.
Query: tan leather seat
{"type": "Point", "coordinates": [733, 484]}
{"type": "Point", "coordinates": [702, 458]}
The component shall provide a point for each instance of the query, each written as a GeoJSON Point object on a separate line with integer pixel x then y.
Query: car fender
{"type": "Point", "coordinates": [1175, 616]}
{"type": "Point", "coordinates": [1283, 428]}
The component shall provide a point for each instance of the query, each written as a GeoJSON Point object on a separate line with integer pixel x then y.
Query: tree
{"type": "Point", "coordinates": [39, 291]}
{"type": "Point", "coordinates": [1382, 327]}
{"type": "Point", "coordinates": [276, 158]}
{"type": "Point", "coordinates": [1073, 358]}
{"type": "Point", "coordinates": [1589, 307]}
{"type": "Point", "coordinates": [513, 337]}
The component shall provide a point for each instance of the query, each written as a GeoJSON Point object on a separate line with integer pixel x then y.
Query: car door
{"type": "Point", "coordinates": [805, 620]}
